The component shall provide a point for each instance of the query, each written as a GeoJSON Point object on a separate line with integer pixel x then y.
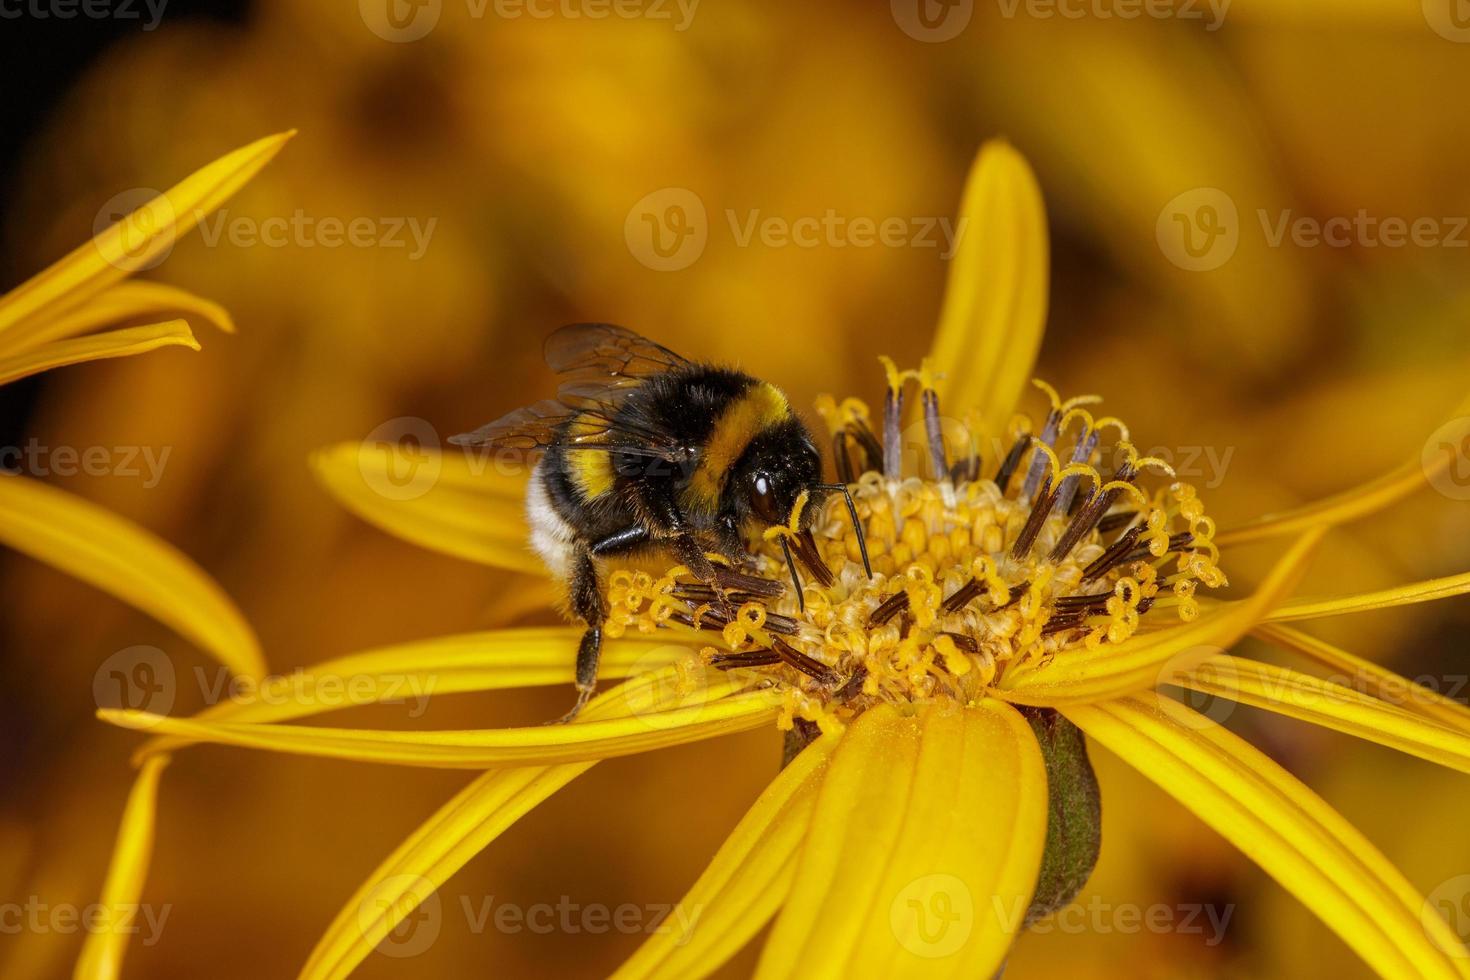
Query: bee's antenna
{"type": "Point", "coordinates": [795, 579]}
{"type": "Point", "coordinates": [857, 525]}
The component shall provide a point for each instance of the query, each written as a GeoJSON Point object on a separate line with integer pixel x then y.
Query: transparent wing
{"type": "Point", "coordinates": [590, 351]}
{"type": "Point", "coordinates": [603, 364]}
{"type": "Point", "coordinates": [598, 427]}
{"type": "Point", "coordinates": [532, 427]}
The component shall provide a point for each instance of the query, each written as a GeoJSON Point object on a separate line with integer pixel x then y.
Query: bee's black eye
{"type": "Point", "coordinates": [763, 499]}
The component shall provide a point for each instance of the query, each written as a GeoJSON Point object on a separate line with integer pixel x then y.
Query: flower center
{"type": "Point", "coordinates": [972, 574]}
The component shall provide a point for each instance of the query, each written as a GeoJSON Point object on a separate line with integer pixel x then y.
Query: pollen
{"type": "Point", "coordinates": [1055, 543]}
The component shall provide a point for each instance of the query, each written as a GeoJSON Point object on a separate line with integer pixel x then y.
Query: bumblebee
{"type": "Point", "coordinates": [645, 451]}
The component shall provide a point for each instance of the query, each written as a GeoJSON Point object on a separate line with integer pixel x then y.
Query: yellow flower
{"type": "Point", "coordinates": [1042, 577]}
{"type": "Point", "coordinates": [82, 308]}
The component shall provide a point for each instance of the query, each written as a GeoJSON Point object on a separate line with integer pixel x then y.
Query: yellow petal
{"type": "Point", "coordinates": [1350, 505]}
{"type": "Point", "coordinates": [923, 850]}
{"type": "Point", "coordinates": [994, 312]}
{"type": "Point", "coordinates": [1148, 659]}
{"type": "Point", "coordinates": [411, 875]}
{"type": "Point", "coordinates": [95, 347]}
{"type": "Point", "coordinates": [745, 883]}
{"type": "Point", "coordinates": [1372, 679]}
{"type": "Point", "coordinates": [130, 300]}
{"type": "Point", "coordinates": [412, 673]}
{"type": "Point", "coordinates": [103, 949]}
{"type": "Point", "coordinates": [1316, 607]}
{"type": "Point", "coordinates": [120, 558]}
{"type": "Point", "coordinates": [435, 851]}
{"type": "Point", "coordinates": [135, 241]}
{"type": "Point", "coordinates": [1281, 825]}
{"type": "Point", "coordinates": [1306, 698]}
{"type": "Point", "coordinates": [705, 710]}
{"type": "Point", "coordinates": [455, 503]}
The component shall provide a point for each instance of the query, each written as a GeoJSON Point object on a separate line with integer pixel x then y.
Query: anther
{"type": "Point", "coordinates": [888, 608]}
{"type": "Point", "coordinates": [1113, 522]}
{"type": "Point", "coordinates": [1012, 461]}
{"type": "Point", "coordinates": [1039, 513]}
{"type": "Point", "coordinates": [748, 658]}
{"type": "Point", "coordinates": [892, 420]}
{"type": "Point", "coordinates": [840, 457]}
{"type": "Point", "coordinates": [1114, 555]}
{"type": "Point", "coordinates": [814, 669]}
{"type": "Point", "coordinates": [1038, 460]}
{"type": "Point", "coordinates": [1101, 501]}
{"type": "Point", "coordinates": [932, 428]}
{"type": "Point", "coordinates": [1086, 443]}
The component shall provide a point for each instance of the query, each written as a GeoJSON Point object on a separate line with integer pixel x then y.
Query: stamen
{"type": "Point", "coordinates": [965, 593]}
{"type": "Point", "coordinates": [1177, 542]}
{"type": "Point", "coordinates": [892, 420]}
{"type": "Point", "coordinates": [704, 617]}
{"type": "Point", "coordinates": [872, 448]}
{"type": "Point", "coordinates": [932, 427]}
{"type": "Point", "coordinates": [1114, 554]}
{"type": "Point", "coordinates": [966, 470]}
{"type": "Point", "coordinates": [1112, 522]}
{"type": "Point", "coordinates": [1033, 525]}
{"type": "Point", "coordinates": [806, 550]}
{"type": "Point", "coordinates": [1012, 461]}
{"type": "Point", "coordinates": [1092, 512]}
{"type": "Point", "coordinates": [840, 458]}
{"type": "Point", "coordinates": [809, 666]}
{"type": "Point", "coordinates": [1086, 443]}
{"type": "Point", "coordinates": [888, 608]}
{"type": "Point", "coordinates": [749, 658]}
{"type": "Point", "coordinates": [1047, 438]}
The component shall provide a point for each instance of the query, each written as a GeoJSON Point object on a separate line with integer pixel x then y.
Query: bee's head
{"type": "Point", "coordinates": [775, 468]}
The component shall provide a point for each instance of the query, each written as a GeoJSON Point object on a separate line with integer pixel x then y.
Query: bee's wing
{"type": "Point", "coordinates": [532, 427]}
{"type": "Point", "coordinates": [598, 427]}
{"type": "Point", "coordinates": [603, 364]}
{"type": "Point", "coordinates": [591, 351]}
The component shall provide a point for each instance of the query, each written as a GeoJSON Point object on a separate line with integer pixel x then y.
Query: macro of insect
{"type": "Point", "coordinates": [645, 451]}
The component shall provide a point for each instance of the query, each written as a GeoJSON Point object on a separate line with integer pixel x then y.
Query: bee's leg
{"type": "Point", "coordinates": [690, 552]}
{"type": "Point", "coordinates": [668, 524]}
{"type": "Point", "coordinates": [732, 544]}
{"type": "Point", "coordinates": [585, 593]}
{"type": "Point", "coordinates": [587, 602]}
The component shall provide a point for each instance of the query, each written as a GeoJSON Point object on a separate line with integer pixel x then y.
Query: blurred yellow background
{"type": "Point", "coordinates": [503, 167]}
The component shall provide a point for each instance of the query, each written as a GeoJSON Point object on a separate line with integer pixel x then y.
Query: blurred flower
{"type": "Point", "coordinates": [81, 309]}
{"type": "Point", "coordinates": [932, 701]}
{"type": "Point", "coordinates": [54, 319]}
